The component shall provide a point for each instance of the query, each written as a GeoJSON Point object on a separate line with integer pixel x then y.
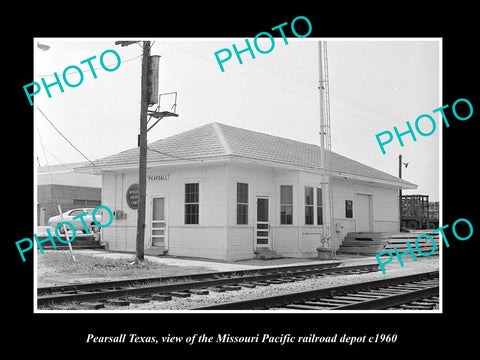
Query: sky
{"type": "Point", "coordinates": [375, 84]}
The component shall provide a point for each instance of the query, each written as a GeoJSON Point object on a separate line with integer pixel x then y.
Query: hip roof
{"type": "Point", "coordinates": [216, 140]}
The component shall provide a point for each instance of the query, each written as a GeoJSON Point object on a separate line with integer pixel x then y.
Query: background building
{"type": "Point", "coordinates": [59, 184]}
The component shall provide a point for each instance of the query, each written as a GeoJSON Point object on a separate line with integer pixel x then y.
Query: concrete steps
{"type": "Point", "coordinates": [371, 243]}
{"type": "Point", "coordinates": [424, 243]}
{"type": "Point", "coordinates": [365, 243]}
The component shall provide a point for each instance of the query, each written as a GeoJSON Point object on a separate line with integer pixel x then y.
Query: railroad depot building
{"type": "Point", "coordinates": [223, 192]}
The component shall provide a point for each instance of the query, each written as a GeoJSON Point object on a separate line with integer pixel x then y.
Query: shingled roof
{"type": "Point", "coordinates": [215, 140]}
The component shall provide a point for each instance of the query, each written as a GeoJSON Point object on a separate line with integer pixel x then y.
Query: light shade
{"type": "Point", "coordinates": [43, 46]}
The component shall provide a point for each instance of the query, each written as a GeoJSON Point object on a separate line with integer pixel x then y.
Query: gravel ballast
{"type": "Point", "coordinates": [194, 301]}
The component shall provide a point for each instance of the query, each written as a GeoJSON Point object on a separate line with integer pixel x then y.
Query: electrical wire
{"type": "Point", "coordinates": [89, 70]}
{"type": "Point", "coordinates": [174, 156]}
{"type": "Point", "coordinates": [90, 161]}
{"type": "Point", "coordinates": [302, 82]}
{"type": "Point", "coordinates": [307, 79]}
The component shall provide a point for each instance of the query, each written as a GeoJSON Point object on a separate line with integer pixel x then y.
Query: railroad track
{"type": "Point", "coordinates": [165, 288]}
{"type": "Point", "coordinates": [412, 292]}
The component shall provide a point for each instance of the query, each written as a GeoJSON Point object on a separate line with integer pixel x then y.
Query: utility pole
{"type": "Point", "coordinates": [149, 93]}
{"type": "Point", "coordinates": [142, 172]}
{"type": "Point", "coordinates": [400, 163]}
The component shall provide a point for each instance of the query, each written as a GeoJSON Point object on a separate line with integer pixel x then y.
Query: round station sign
{"type": "Point", "coordinates": [133, 196]}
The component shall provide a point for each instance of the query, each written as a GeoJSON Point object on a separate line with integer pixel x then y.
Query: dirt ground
{"type": "Point", "coordinates": [57, 268]}
{"type": "Point", "coordinates": [107, 266]}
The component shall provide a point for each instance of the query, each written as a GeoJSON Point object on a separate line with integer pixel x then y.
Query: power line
{"type": "Point", "coordinates": [280, 73]}
{"type": "Point", "coordinates": [46, 162]}
{"type": "Point", "coordinates": [174, 156]}
{"type": "Point", "coordinates": [89, 70]}
{"type": "Point", "coordinates": [90, 161]}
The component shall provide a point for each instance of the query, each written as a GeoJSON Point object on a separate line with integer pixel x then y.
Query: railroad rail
{"type": "Point", "coordinates": [164, 288]}
{"type": "Point", "coordinates": [419, 291]}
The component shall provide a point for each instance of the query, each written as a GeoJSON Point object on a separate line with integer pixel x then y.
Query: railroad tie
{"type": "Point", "coordinates": [161, 297]}
{"type": "Point", "coordinates": [303, 307]}
{"type": "Point", "coordinates": [138, 300]}
{"type": "Point", "coordinates": [92, 305]}
{"type": "Point", "coordinates": [199, 291]}
{"type": "Point", "coordinates": [180, 294]}
{"type": "Point", "coordinates": [216, 289]}
{"type": "Point", "coordinates": [118, 302]}
{"type": "Point", "coordinates": [274, 281]}
{"type": "Point", "coordinates": [231, 287]}
{"type": "Point", "coordinates": [248, 285]}
{"type": "Point", "coordinates": [416, 307]}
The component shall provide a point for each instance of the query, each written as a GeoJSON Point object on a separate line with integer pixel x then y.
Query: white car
{"type": "Point", "coordinates": [77, 223]}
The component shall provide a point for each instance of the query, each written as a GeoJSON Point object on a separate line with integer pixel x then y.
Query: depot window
{"type": "Point", "coordinates": [349, 209]}
{"type": "Point", "coordinates": [319, 207]}
{"type": "Point", "coordinates": [313, 206]}
{"type": "Point", "coordinates": [242, 203]}
{"type": "Point", "coordinates": [309, 206]}
{"type": "Point", "coordinates": [286, 204]}
{"type": "Point", "coordinates": [191, 203]}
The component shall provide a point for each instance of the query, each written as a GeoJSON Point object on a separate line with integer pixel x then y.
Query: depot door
{"type": "Point", "coordinates": [363, 213]}
{"type": "Point", "coordinates": [262, 225]}
{"type": "Point", "coordinates": [159, 221]}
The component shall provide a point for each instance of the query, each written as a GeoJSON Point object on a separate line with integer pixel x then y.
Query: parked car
{"type": "Point", "coordinates": [77, 223]}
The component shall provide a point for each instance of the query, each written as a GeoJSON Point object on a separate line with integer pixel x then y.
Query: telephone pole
{"type": "Point", "coordinates": [400, 163]}
{"type": "Point", "coordinates": [149, 96]}
{"type": "Point", "coordinates": [142, 172]}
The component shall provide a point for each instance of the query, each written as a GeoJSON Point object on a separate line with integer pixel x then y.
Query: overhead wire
{"type": "Point", "coordinates": [245, 74]}
{"type": "Point", "coordinates": [174, 156]}
{"type": "Point", "coordinates": [89, 70]}
{"type": "Point", "coordinates": [66, 139]}
{"type": "Point", "coordinates": [309, 82]}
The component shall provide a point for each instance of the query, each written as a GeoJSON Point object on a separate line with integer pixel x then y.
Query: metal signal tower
{"type": "Point", "coordinates": [325, 145]}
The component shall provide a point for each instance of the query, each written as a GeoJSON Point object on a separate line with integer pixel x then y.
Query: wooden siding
{"type": "Point", "coordinates": [121, 234]}
{"type": "Point", "coordinates": [217, 235]}
{"type": "Point", "coordinates": [203, 242]}
{"type": "Point", "coordinates": [240, 243]}
{"type": "Point", "coordinates": [385, 209]}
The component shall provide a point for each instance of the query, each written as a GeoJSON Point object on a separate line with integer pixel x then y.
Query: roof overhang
{"type": "Point", "coordinates": [403, 184]}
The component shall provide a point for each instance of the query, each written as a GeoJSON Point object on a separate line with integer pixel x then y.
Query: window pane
{"type": "Point", "coordinates": [319, 197]}
{"type": "Point", "coordinates": [242, 214]}
{"type": "Point", "coordinates": [262, 209]}
{"type": "Point", "coordinates": [158, 208]}
{"type": "Point", "coordinates": [286, 194]}
{"type": "Point", "coordinates": [308, 215]}
{"type": "Point", "coordinates": [191, 203]}
{"type": "Point", "coordinates": [348, 208]}
{"type": "Point", "coordinates": [191, 213]}
{"type": "Point", "coordinates": [286, 201]}
{"type": "Point", "coordinates": [309, 196]}
{"type": "Point", "coordinates": [286, 214]}
{"type": "Point", "coordinates": [319, 216]}
{"type": "Point", "coordinates": [242, 193]}
{"type": "Point", "coordinates": [191, 193]}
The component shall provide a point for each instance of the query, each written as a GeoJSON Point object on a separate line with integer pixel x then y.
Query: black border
{"type": "Point", "coordinates": [425, 334]}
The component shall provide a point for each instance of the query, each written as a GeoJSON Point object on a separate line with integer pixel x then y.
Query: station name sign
{"type": "Point", "coordinates": [163, 177]}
